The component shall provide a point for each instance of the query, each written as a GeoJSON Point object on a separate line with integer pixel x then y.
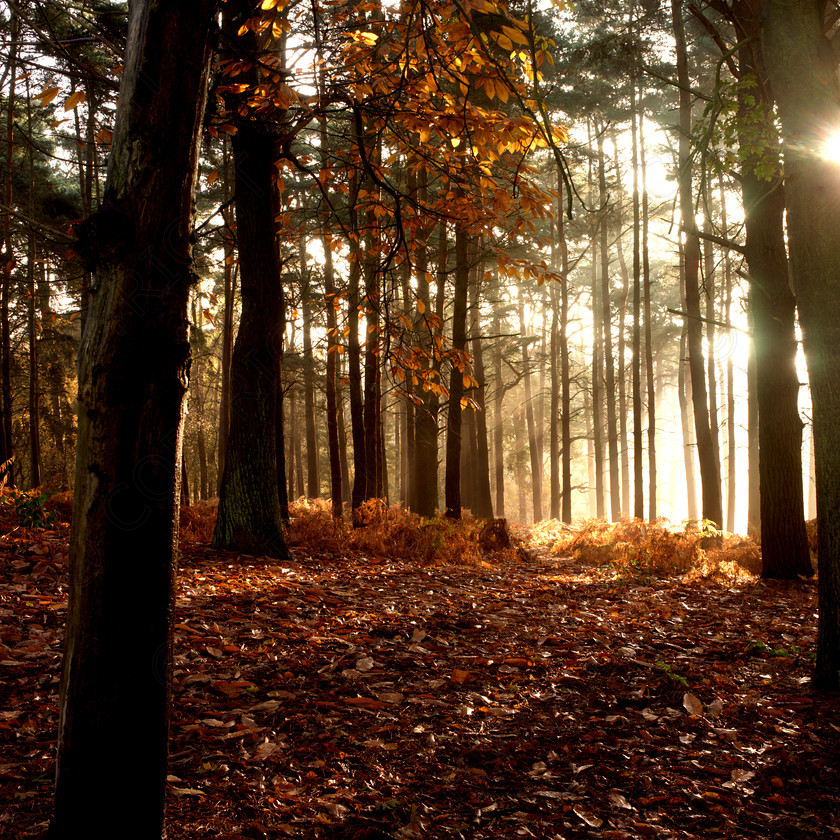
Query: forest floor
{"type": "Point", "coordinates": [526, 694]}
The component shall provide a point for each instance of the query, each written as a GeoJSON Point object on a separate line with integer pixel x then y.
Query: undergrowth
{"type": "Point", "coordinates": [382, 532]}
{"type": "Point", "coordinates": [654, 547]}
{"type": "Point", "coordinates": [388, 532]}
{"type": "Point", "coordinates": [628, 547]}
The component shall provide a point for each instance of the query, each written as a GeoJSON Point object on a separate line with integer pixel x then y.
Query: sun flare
{"type": "Point", "coordinates": [831, 147]}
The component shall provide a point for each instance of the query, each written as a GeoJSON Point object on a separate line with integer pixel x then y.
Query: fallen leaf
{"type": "Point", "coordinates": [692, 704]}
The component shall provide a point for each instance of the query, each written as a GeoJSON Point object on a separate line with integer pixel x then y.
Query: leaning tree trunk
{"type": "Point", "coordinates": [802, 70]}
{"type": "Point", "coordinates": [134, 363]}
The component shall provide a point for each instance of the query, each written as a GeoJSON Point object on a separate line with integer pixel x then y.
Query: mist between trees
{"type": "Point", "coordinates": [526, 262]}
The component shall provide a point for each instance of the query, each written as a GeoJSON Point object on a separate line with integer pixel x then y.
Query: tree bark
{"type": "Point", "coordinates": [227, 322]}
{"type": "Point", "coordinates": [452, 484]}
{"type": "Point", "coordinates": [8, 260]}
{"type": "Point", "coordinates": [499, 420]}
{"type": "Point", "coordinates": [536, 463]}
{"type": "Point", "coordinates": [606, 324]}
{"type": "Point", "coordinates": [651, 379]}
{"type": "Point", "coordinates": [709, 468]}
{"type": "Point", "coordinates": [133, 369]}
{"type": "Point", "coordinates": [784, 542]}
{"type": "Point", "coordinates": [482, 506]}
{"type": "Point", "coordinates": [249, 518]}
{"type": "Point", "coordinates": [802, 70]}
{"type": "Point", "coordinates": [426, 415]}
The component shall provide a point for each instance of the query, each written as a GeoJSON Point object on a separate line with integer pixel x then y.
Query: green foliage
{"type": "Point", "coordinates": [672, 675]}
{"type": "Point", "coordinates": [732, 138]}
{"type": "Point", "coordinates": [30, 509]}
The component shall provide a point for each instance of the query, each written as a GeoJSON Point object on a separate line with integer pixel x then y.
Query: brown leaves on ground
{"type": "Point", "coordinates": [352, 694]}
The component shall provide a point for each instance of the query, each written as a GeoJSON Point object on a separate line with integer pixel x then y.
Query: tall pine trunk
{"type": "Point", "coordinates": [802, 70]}
{"type": "Point", "coordinates": [249, 517]}
{"type": "Point", "coordinates": [709, 468]}
{"type": "Point", "coordinates": [452, 487]}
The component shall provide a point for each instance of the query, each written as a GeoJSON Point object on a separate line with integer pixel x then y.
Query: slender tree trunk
{"type": "Point", "coordinates": [683, 384]}
{"type": "Point", "coordinates": [346, 486]}
{"type": "Point", "coordinates": [456, 380]}
{"type": "Point", "coordinates": [606, 321]}
{"type": "Point", "coordinates": [426, 414]}
{"type": "Point", "coordinates": [596, 375]}
{"type": "Point", "coordinates": [482, 507]}
{"type": "Point", "coordinates": [651, 380]}
{"type": "Point", "coordinates": [709, 468]}
{"type": "Point", "coordinates": [638, 450]}
{"type": "Point", "coordinates": [333, 347]}
{"type": "Point", "coordinates": [709, 283]}
{"type": "Point", "coordinates": [590, 455]}
{"type": "Point", "coordinates": [354, 357]}
{"type": "Point", "coordinates": [34, 388]}
{"type": "Point", "coordinates": [623, 448]}
{"type": "Point", "coordinates": [499, 427]}
{"type": "Point", "coordinates": [519, 469]}
{"type": "Point", "coordinates": [8, 261]}
{"type": "Point", "coordinates": [227, 322]}
{"type": "Point", "coordinates": [554, 405]}
{"type": "Point", "coordinates": [536, 464]}
{"type": "Point", "coordinates": [313, 484]}
{"type": "Point", "coordinates": [133, 370]}
{"type": "Point", "coordinates": [730, 373]}
{"type": "Point", "coordinates": [565, 379]}
{"type": "Point", "coordinates": [754, 486]}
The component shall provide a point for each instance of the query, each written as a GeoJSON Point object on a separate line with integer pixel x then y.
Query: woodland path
{"type": "Point", "coordinates": [346, 697]}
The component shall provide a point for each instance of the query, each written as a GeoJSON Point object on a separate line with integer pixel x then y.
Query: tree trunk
{"type": "Point", "coordinates": [606, 323]}
{"type": "Point", "coordinates": [709, 468]}
{"type": "Point", "coordinates": [249, 518]}
{"type": "Point", "coordinates": [683, 384]}
{"type": "Point", "coordinates": [596, 372]}
{"type": "Point", "coordinates": [34, 389]}
{"type": "Point", "coordinates": [332, 303]}
{"type": "Point", "coordinates": [354, 356]}
{"type": "Point", "coordinates": [536, 463]}
{"type": "Point", "coordinates": [227, 322]}
{"type": "Point", "coordinates": [784, 543]}
{"type": "Point", "coordinates": [802, 70]}
{"type": "Point", "coordinates": [638, 449]}
{"type": "Point", "coordinates": [452, 486]}
{"type": "Point", "coordinates": [499, 420]}
{"type": "Point", "coordinates": [482, 506]}
{"type": "Point", "coordinates": [554, 404]}
{"type": "Point", "coordinates": [730, 374]}
{"type": "Point", "coordinates": [313, 483]}
{"type": "Point", "coordinates": [133, 369]}
{"type": "Point", "coordinates": [651, 379]}
{"type": "Point", "coordinates": [8, 260]}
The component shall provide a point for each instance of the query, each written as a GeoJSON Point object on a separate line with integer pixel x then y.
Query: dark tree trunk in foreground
{"type": "Point", "coordinates": [802, 70]}
{"type": "Point", "coordinates": [784, 543]}
{"type": "Point", "coordinates": [133, 369]}
{"type": "Point", "coordinates": [249, 518]}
